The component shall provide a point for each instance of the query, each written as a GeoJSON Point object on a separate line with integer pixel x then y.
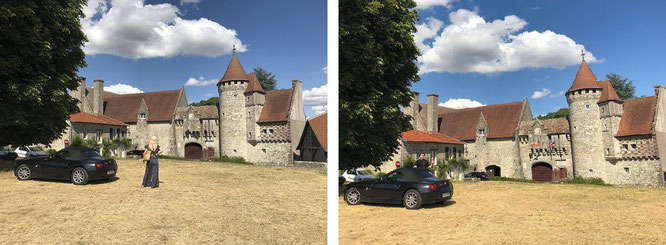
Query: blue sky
{"type": "Point", "coordinates": [161, 45]}
{"type": "Point", "coordinates": [494, 52]}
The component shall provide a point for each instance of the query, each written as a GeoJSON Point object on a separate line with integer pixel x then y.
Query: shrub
{"type": "Point", "coordinates": [77, 141]}
{"type": "Point", "coordinates": [511, 179]}
{"type": "Point", "coordinates": [51, 152]}
{"type": "Point", "coordinates": [106, 148]}
{"type": "Point", "coordinates": [409, 162]}
{"type": "Point", "coordinates": [587, 181]}
{"type": "Point", "coordinates": [226, 158]}
{"type": "Point", "coordinates": [442, 168]}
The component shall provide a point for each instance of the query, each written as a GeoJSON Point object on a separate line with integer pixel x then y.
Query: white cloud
{"type": "Point", "coordinates": [470, 44]}
{"type": "Point", "coordinates": [425, 4]}
{"type": "Point", "coordinates": [317, 98]}
{"type": "Point", "coordinates": [540, 94]}
{"type": "Point", "coordinates": [183, 2]}
{"type": "Point", "coordinates": [555, 95]}
{"type": "Point", "coordinates": [461, 103]}
{"type": "Point", "coordinates": [199, 82]}
{"type": "Point", "coordinates": [122, 89]}
{"type": "Point", "coordinates": [208, 95]}
{"type": "Point", "coordinates": [425, 31]}
{"type": "Point", "coordinates": [132, 29]}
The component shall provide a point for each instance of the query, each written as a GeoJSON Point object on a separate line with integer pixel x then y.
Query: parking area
{"type": "Point", "coordinates": [197, 202]}
{"type": "Point", "coordinates": [515, 213]}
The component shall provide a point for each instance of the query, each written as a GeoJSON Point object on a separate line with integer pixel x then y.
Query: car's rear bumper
{"type": "Point", "coordinates": [440, 195]}
{"type": "Point", "coordinates": [104, 172]}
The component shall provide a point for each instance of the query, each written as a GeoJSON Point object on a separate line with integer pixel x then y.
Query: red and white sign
{"type": "Point", "coordinates": [66, 142]}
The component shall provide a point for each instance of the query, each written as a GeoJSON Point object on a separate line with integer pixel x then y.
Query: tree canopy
{"type": "Point", "coordinates": [561, 113]}
{"type": "Point", "coordinates": [40, 46]}
{"type": "Point", "coordinates": [210, 101]}
{"type": "Point", "coordinates": [623, 86]}
{"type": "Point", "coordinates": [266, 79]}
{"type": "Point", "coordinates": [377, 67]}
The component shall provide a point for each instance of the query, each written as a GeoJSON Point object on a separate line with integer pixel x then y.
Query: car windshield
{"type": "Point", "coordinates": [91, 154]}
{"type": "Point", "coordinates": [426, 174]}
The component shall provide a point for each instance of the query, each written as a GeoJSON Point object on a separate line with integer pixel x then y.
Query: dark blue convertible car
{"type": "Point", "coordinates": [76, 164]}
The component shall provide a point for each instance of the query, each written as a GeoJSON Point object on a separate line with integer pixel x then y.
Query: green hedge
{"type": "Point", "coordinates": [587, 181]}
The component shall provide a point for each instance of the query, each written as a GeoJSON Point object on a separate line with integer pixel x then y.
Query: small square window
{"type": "Point", "coordinates": [263, 131]}
{"type": "Point", "coordinates": [633, 147]}
{"type": "Point", "coordinates": [235, 96]}
{"type": "Point", "coordinates": [591, 171]}
{"type": "Point", "coordinates": [249, 134]}
{"type": "Point", "coordinates": [235, 151]}
{"type": "Point", "coordinates": [482, 132]}
{"type": "Point", "coordinates": [271, 131]}
{"type": "Point", "coordinates": [625, 146]}
{"type": "Point", "coordinates": [587, 107]}
{"type": "Point", "coordinates": [607, 151]}
{"type": "Point", "coordinates": [142, 115]}
{"type": "Point", "coordinates": [263, 150]}
{"type": "Point", "coordinates": [626, 170]}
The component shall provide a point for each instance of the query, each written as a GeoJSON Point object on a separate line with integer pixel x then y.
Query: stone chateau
{"type": "Point", "coordinates": [263, 127]}
{"type": "Point", "coordinates": [616, 140]}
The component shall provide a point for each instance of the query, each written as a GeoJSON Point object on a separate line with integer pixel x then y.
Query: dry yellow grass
{"type": "Point", "coordinates": [515, 213]}
{"type": "Point", "coordinates": [197, 202]}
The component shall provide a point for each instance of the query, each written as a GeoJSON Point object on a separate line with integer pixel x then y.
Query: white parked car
{"type": "Point", "coordinates": [357, 175]}
{"type": "Point", "coordinates": [29, 151]}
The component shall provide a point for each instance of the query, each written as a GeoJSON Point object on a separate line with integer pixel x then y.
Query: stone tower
{"type": "Point", "coordinates": [584, 113]}
{"type": "Point", "coordinates": [232, 110]}
{"type": "Point", "coordinates": [610, 113]}
{"type": "Point", "coordinates": [255, 97]}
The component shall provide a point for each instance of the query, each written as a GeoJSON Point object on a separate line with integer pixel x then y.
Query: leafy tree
{"type": "Point", "coordinates": [561, 113]}
{"type": "Point", "coordinates": [210, 101]}
{"type": "Point", "coordinates": [377, 67]}
{"type": "Point", "coordinates": [266, 79]}
{"type": "Point", "coordinates": [623, 86]}
{"type": "Point", "coordinates": [40, 46]}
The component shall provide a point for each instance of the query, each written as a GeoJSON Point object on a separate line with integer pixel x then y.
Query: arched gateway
{"type": "Point", "coordinates": [493, 171]}
{"type": "Point", "coordinates": [542, 171]}
{"type": "Point", "coordinates": [193, 151]}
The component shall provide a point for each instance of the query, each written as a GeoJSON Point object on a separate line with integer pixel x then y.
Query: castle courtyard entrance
{"type": "Point", "coordinates": [542, 171]}
{"type": "Point", "coordinates": [493, 171]}
{"type": "Point", "coordinates": [193, 151]}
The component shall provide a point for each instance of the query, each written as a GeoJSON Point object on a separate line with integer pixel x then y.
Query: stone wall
{"type": "Point", "coordinates": [558, 156]}
{"type": "Point", "coordinates": [500, 152]}
{"type": "Point", "coordinates": [141, 132]}
{"type": "Point", "coordinates": [207, 138]}
{"type": "Point", "coordinates": [643, 172]}
{"type": "Point", "coordinates": [271, 153]}
{"type": "Point", "coordinates": [309, 164]}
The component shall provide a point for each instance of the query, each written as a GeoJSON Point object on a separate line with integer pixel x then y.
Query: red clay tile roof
{"type": "Point", "coordinates": [461, 124]}
{"type": "Point", "coordinates": [125, 107]}
{"type": "Point", "coordinates": [637, 117]}
{"type": "Point", "coordinates": [319, 125]}
{"type": "Point", "coordinates": [254, 85]}
{"type": "Point", "coordinates": [423, 136]}
{"type": "Point", "coordinates": [83, 117]}
{"type": "Point", "coordinates": [204, 112]}
{"type": "Point", "coordinates": [277, 105]}
{"type": "Point", "coordinates": [608, 92]}
{"type": "Point", "coordinates": [584, 78]}
{"type": "Point", "coordinates": [554, 126]}
{"type": "Point", "coordinates": [234, 71]}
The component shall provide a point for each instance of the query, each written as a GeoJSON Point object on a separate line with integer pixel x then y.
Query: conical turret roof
{"type": "Point", "coordinates": [585, 79]}
{"type": "Point", "coordinates": [608, 92]}
{"type": "Point", "coordinates": [254, 85]}
{"type": "Point", "coordinates": [234, 71]}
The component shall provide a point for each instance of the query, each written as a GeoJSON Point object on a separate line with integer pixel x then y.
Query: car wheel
{"type": "Point", "coordinates": [23, 172]}
{"type": "Point", "coordinates": [80, 176]}
{"type": "Point", "coordinates": [412, 199]}
{"type": "Point", "coordinates": [353, 196]}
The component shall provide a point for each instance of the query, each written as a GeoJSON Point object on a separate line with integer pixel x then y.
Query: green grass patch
{"type": "Point", "coordinates": [511, 179]}
{"type": "Point", "coordinates": [226, 158]}
{"type": "Point", "coordinates": [587, 181]}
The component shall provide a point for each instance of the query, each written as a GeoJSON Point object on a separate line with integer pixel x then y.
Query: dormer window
{"type": "Point", "coordinates": [142, 115]}
{"type": "Point", "coordinates": [482, 132]}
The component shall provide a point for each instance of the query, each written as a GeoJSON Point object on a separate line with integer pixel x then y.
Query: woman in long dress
{"type": "Point", "coordinates": [151, 177]}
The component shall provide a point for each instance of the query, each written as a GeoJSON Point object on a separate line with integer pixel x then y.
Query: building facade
{"type": "Point", "coordinates": [604, 137]}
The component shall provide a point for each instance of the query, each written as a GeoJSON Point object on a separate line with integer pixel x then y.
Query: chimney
{"type": "Point", "coordinates": [297, 111]}
{"type": "Point", "coordinates": [431, 118]}
{"type": "Point", "coordinates": [413, 111]}
{"type": "Point", "coordinates": [79, 93]}
{"type": "Point", "coordinates": [98, 100]}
